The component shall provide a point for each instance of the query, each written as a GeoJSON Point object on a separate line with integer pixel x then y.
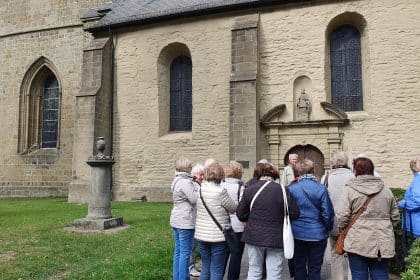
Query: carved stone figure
{"type": "Point", "coordinates": [303, 105]}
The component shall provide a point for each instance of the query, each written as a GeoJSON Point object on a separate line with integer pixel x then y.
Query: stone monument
{"type": "Point", "coordinates": [99, 218]}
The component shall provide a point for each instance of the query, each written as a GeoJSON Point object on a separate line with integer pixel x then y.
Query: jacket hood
{"type": "Point", "coordinates": [366, 184]}
{"type": "Point", "coordinates": [178, 176]}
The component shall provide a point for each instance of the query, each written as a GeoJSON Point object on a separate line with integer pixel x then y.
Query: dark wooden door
{"type": "Point", "coordinates": [310, 152]}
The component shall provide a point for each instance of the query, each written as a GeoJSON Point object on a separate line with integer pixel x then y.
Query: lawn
{"type": "Point", "coordinates": [33, 245]}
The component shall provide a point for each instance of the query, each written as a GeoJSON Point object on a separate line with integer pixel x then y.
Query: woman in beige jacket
{"type": "Point", "coordinates": [370, 242]}
{"type": "Point", "coordinates": [210, 238]}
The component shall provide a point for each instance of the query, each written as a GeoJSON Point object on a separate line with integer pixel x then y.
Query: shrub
{"type": "Point", "coordinates": [397, 265]}
{"type": "Point", "coordinates": [413, 269]}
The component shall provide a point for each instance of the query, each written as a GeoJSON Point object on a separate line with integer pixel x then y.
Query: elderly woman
{"type": "Point", "coordinates": [411, 202]}
{"type": "Point", "coordinates": [235, 188]}
{"type": "Point", "coordinates": [335, 181]}
{"type": "Point", "coordinates": [264, 231]}
{"type": "Point", "coordinates": [211, 241]}
{"type": "Point", "coordinates": [197, 173]}
{"type": "Point", "coordinates": [370, 240]}
{"type": "Point", "coordinates": [311, 229]}
{"type": "Point", "coordinates": [182, 221]}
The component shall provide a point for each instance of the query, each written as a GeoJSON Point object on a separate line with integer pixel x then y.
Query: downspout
{"type": "Point", "coordinates": [111, 134]}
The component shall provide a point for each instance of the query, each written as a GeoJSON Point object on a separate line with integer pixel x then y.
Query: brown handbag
{"type": "Point", "coordinates": [339, 246]}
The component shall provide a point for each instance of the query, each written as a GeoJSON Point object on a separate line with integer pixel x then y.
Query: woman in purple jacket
{"type": "Point", "coordinates": [263, 232]}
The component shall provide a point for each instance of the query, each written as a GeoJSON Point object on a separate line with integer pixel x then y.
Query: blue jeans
{"type": "Point", "coordinates": [273, 258]}
{"type": "Point", "coordinates": [183, 245]}
{"type": "Point", "coordinates": [361, 267]}
{"type": "Point", "coordinates": [213, 260]}
{"type": "Point", "coordinates": [308, 259]}
{"type": "Point", "coordinates": [235, 258]}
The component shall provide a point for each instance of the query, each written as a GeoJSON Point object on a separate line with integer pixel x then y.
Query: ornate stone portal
{"type": "Point", "coordinates": [326, 135]}
{"type": "Point", "coordinates": [99, 218]}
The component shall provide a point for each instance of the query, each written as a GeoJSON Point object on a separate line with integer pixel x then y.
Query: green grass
{"type": "Point", "coordinates": [33, 245]}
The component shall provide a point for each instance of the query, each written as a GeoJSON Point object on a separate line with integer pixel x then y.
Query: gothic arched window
{"type": "Point", "coordinates": [181, 94]}
{"type": "Point", "coordinates": [346, 69]}
{"type": "Point", "coordinates": [39, 108]}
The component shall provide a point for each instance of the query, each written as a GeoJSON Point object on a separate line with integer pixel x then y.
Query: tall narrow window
{"type": "Point", "coordinates": [39, 108]}
{"type": "Point", "coordinates": [181, 94]}
{"type": "Point", "coordinates": [50, 113]}
{"type": "Point", "coordinates": [346, 69]}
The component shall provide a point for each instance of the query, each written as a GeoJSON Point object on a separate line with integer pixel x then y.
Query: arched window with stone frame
{"type": "Point", "coordinates": [39, 112]}
{"type": "Point", "coordinates": [181, 94]}
{"type": "Point", "coordinates": [346, 68]}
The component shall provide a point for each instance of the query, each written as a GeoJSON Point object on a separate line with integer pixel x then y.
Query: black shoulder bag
{"type": "Point", "coordinates": [230, 235]}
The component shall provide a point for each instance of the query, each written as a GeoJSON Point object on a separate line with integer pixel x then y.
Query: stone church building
{"type": "Point", "coordinates": [233, 80]}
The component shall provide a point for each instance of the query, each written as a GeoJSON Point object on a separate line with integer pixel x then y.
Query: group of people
{"type": "Point", "coordinates": [211, 199]}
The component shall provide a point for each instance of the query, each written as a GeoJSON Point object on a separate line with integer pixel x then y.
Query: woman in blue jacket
{"type": "Point", "coordinates": [311, 229]}
{"type": "Point", "coordinates": [411, 202]}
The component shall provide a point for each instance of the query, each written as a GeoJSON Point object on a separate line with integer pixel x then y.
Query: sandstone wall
{"type": "Point", "coordinates": [145, 161]}
{"type": "Point", "coordinates": [292, 44]}
{"type": "Point", "coordinates": [387, 130]}
{"type": "Point", "coordinates": [28, 31]}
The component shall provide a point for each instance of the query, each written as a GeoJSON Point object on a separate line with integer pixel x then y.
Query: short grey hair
{"type": "Point", "coordinates": [305, 166]}
{"type": "Point", "coordinates": [339, 159]}
{"type": "Point", "coordinates": [183, 165]}
{"type": "Point", "coordinates": [209, 162]}
{"type": "Point", "coordinates": [197, 169]}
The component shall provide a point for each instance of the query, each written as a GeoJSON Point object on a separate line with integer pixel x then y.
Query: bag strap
{"type": "Point", "coordinates": [285, 204]}
{"type": "Point", "coordinates": [258, 193]}
{"type": "Point", "coordinates": [357, 215]}
{"type": "Point", "coordinates": [240, 185]}
{"type": "Point", "coordinates": [309, 198]}
{"type": "Point", "coordinates": [211, 215]}
{"type": "Point", "coordinates": [326, 179]}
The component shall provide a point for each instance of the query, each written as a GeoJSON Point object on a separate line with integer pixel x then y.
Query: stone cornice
{"type": "Point", "coordinates": [335, 110]}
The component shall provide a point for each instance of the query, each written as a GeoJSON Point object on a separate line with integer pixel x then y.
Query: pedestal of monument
{"type": "Point", "coordinates": [99, 218]}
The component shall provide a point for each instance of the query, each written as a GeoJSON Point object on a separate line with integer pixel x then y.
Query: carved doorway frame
{"type": "Point", "coordinates": [310, 152]}
{"type": "Point", "coordinates": [326, 135]}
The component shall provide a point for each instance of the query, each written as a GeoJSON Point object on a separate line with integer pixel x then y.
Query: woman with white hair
{"type": "Point", "coordinates": [335, 181]}
{"type": "Point", "coordinates": [213, 208]}
{"type": "Point", "coordinates": [235, 188]}
{"type": "Point", "coordinates": [182, 221]}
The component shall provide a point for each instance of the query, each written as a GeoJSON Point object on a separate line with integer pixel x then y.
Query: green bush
{"type": "Point", "coordinates": [397, 265]}
{"type": "Point", "coordinates": [398, 193]}
{"type": "Point", "coordinates": [413, 269]}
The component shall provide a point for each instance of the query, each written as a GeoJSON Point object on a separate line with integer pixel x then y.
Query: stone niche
{"type": "Point", "coordinates": [324, 134]}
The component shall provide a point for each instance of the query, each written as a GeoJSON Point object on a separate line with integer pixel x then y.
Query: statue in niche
{"type": "Point", "coordinates": [303, 107]}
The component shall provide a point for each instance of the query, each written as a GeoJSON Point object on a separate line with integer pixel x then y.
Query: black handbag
{"type": "Point", "coordinates": [231, 238]}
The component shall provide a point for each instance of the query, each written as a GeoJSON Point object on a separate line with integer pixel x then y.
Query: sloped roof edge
{"type": "Point", "coordinates": [145, 14]}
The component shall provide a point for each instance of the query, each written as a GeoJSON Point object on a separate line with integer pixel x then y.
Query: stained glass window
{"type": "Point", "coordinates": [346, 69]}
{"type": "Point", "coordinates": [181, 94]}
{"type": "Point", "coordinates": [50, 113]}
